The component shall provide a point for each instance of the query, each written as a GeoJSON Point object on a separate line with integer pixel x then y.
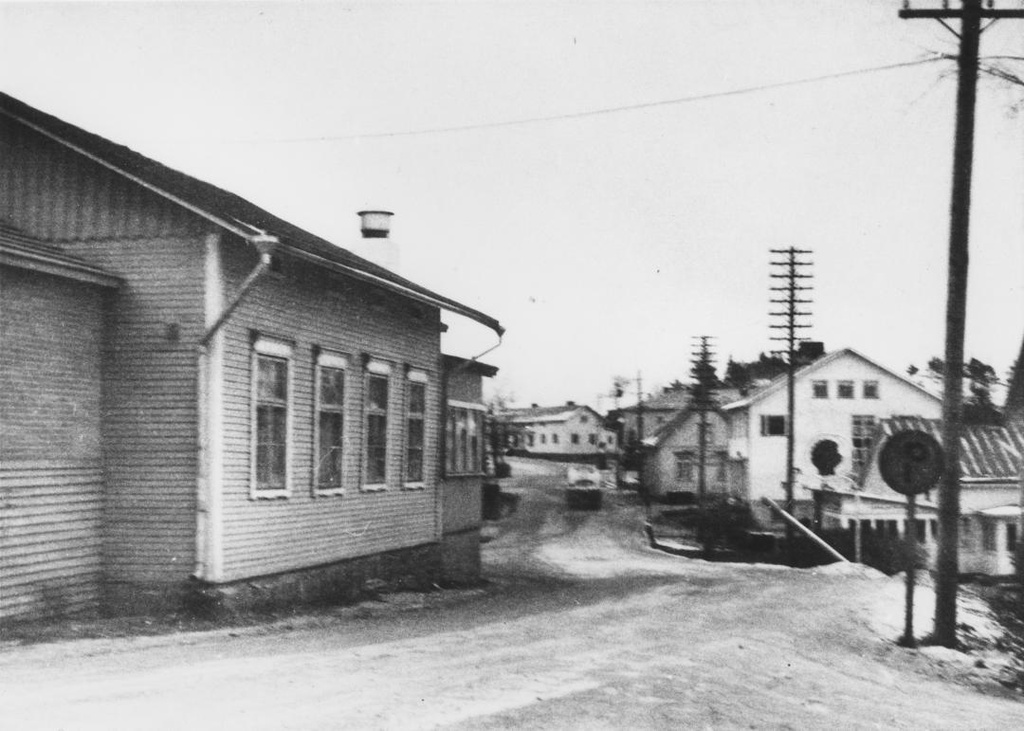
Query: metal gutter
{"type": "Point", "coordinates": [444, 304]}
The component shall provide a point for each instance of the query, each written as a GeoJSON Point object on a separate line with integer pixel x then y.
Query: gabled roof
{"type": "Point", "coordinates": [665, 401]}
{"type": "Point", "coordinates": [227, 210]}
{"type": "Point", "coordinates": [666, 430]}
{"type": "Point", "coordinates": [546, 414]}
{"type": "Point", "coordinates": [987, 453]}
{"type": "Point", "coordinates": [779, 383]}
{"type": "Point", "coordinates": [680, 399]}
{"type": "Point", "coordinates": [17, 249]}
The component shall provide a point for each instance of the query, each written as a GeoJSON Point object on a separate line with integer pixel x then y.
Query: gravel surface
{"type": "Point", "coordinates": [580, 626]}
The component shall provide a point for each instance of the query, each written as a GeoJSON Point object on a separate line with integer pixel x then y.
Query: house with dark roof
{"type": "Point", "coordinates": [990, 473]}
{"type": "Point", "coordinates": [198, 398]}
{"type": "Point", "coordinates": [571, 430]}
{"type": "Point", "coordinates": [642, 420]}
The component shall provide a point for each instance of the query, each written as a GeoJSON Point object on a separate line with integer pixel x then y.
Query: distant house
{"type": "Point", "coordinates": [642, 420]}
{"type": "Point", "coordinates": [839, 400]}
{"type": "Point", "coordinates": [569, 430]}
{"type": "Point", "coordinates": [672, 458]}
{"type": "Point", "coordinates": [990, 473]}
{"type": "Point", "coordinates": [198, 398]}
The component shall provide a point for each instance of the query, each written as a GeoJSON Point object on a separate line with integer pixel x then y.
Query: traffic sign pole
{"type": "Point", "coordinates": [911, 575]}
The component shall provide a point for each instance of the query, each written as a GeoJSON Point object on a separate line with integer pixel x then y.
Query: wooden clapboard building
{"type": "Point", "coordinates": [197, 394]}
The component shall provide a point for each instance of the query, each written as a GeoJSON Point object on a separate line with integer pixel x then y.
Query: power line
{"type": "Point", "coordinates": [597, 112]}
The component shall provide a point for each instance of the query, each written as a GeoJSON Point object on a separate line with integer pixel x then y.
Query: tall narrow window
{"type": "Point", "coordinates": [270, 417]}
{"type": "Point", "coordinates": [414, 430]}
{"type": "Point", "coordinates": [862, 432]}
{"type": "Point", "coordinates": [684, 467]}
{"type": "Point", "coordinates": [328, 442]}
{"type": "Point", "coordinates": [377, 395]}
{"type": "Point", "coordinates": [464, 438]}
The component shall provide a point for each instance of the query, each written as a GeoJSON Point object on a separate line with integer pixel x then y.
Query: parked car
{"type": "Point", "coordinates": [577, 474]}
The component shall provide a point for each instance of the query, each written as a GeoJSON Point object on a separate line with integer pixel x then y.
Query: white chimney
{"type": "Point", "coordinates": [376, 243]}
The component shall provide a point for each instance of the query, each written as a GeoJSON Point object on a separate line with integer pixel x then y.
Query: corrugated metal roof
{"type": "Point", "coordinates": [986, 452]}
{"type": "Point", "coordinates": [23, 251]}
{"type": "Point", "coordinates": [226, 209]}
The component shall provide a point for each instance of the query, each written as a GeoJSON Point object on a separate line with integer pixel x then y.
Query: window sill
{"type": "Point", "coordinates": [466, 474]}
{"type": "Point", "coordinates": [414, 486]}
{"type": "Point", "coordinates": [376, 487]}
{"type": "Point", "coordinates": [269, 494]}
{"type": "Point", "coordinates": [329, 492]}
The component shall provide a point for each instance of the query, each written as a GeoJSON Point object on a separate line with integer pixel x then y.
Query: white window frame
{"type": "Point", "coordinates": [375, 368]}
{"type": "Point", "coordinates": [477, 411]}
{"type": "Point", "coordinates": [819, 389]}
{"type": "Point", "coordinates": [874, 392]}
{"type": "Point", "coordinates": [849, 387]}
{"type": "Point", "coordinates": [282, 350]}
{"type": "Point", "coordinates": [421, 378]}
{"type": "Point", "coordinates": [336, 361]}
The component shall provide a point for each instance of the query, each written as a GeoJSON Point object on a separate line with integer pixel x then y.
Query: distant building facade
{"type": "Point", "coordinates": [570, 429]}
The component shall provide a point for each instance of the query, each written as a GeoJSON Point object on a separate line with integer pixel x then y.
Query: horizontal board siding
{"type": "Point", "coordinates": [50, 336]}
{"type": "Point", "coordinates": [50, 538]}
{"type": "Point", "coordinates": [153, 323]}
{"type": "Point", "coordinates": [149, 412]}
{"type": "Point", "coordinates": [304, 307]}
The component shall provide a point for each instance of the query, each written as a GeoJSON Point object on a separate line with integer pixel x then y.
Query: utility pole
{"type": "Point", "coordinates": [970, 13]}
{"type": "Point", "coordinates": [790, 293]}
{"type": "Point", "coordinates": [639, 407]}
{"type": "Point", "coordinates": [703, 401]}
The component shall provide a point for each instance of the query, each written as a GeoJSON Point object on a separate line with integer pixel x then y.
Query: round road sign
{"type": "Point", "coordinates": [911, 462]}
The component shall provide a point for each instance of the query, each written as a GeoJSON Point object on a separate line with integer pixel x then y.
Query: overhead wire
{"type": "Point", "coordinates": [932, 58]}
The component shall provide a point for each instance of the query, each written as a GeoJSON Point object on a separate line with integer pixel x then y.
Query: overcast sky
{"type": "Point", "coordinates": [604, 242]}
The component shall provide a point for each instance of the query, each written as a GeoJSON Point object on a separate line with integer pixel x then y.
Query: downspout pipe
{"type": "Point", "coordinates": [208, 561]}
{"type": "Point", "coordinates": [266, 245]}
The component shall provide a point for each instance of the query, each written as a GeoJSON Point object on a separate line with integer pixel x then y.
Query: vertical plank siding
{"type": "Point", "coordinates": [310, 309]}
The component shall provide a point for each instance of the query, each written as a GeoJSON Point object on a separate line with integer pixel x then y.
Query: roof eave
{"type": "Point", "coordinates": [59, 267]}
{"type": "Point", "coordinates": [436, 301]}
{"type": "Point", "coordinates": [247, 231]}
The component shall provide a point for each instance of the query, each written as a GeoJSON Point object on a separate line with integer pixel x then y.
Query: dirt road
{"type": "Point", "coordinates": [582, 626]}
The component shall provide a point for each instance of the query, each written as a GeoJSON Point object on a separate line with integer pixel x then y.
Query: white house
{"type": "Point", "coordinates": [839, 400]}
{"type": "Point", "coordinates": [558, 430]}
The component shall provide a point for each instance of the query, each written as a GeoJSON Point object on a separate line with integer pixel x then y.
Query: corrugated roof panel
{"type": "Point", "coordinates": [986, 451]}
